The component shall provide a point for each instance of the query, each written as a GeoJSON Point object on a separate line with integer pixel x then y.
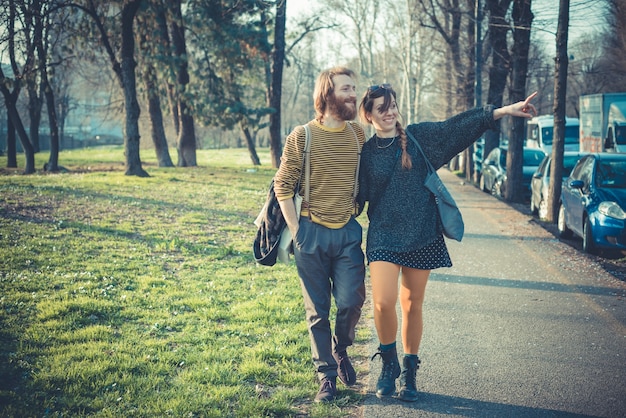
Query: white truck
{"type": "Point", "coordinates": [540, 133]}
{"type": "Point", "coordinates": [603, 122]}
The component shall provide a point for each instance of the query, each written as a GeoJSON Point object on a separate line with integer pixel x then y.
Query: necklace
{"type": "Point", "coordinates": [386, 139]}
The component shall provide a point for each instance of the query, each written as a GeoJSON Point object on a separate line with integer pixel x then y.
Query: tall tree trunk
{"type": "Point", "coordinates": [11, 142]}
{"type": "Point", "coordinates": [10, 98]}
{"type": "Point", "coordinates": [454, 43]}
{"type": "Point", "coordinates": [275, 88]}
{"type": "Point", "coordinates": [18, 126]}
{"type": "Point", "coordinates": [186, 141]}
{"type": "Point", "coordinates": [522, 20]}
{"type": "Point", "coordinates": [35, 104]}
{"type": "Point", "coordinates": [560, 90]}
{"type": "Point", "coordinates": [468, 88]}
{"type": "Point", "coordinates": [250, 143]}
{"type": "Point", "coordinates": [161, 21]}
{"type": "Point", "coordinates": [128, 82]}
{"type": "Point", "coordinates": [499, 69]}
{"type": "Point", "coordinates": [61, 116]}
{"type": "Point", "coordinates": [150, 50]}
{"type": "Point", "coordinates": [53, 160]}
{"type": "Point", "coordinates": [156, 117]}
{"type": "Point", "coordinates": [125, 73]}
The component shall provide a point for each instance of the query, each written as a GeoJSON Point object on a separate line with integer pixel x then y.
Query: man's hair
{"type": "Point", "coordinates": [324, 88]}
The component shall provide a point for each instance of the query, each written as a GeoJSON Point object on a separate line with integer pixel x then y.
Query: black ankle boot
{"type": "Point", "coordinates": [408, 387]}
{"type": "Point", "coordinates": [386, 384]}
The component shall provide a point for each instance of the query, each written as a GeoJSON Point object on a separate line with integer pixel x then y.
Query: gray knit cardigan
{"type": "Point", "coordinates": [403, 215]}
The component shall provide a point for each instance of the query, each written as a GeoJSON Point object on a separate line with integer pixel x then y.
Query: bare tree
{"type": "Point", "coordinates": [276, 82]}
{"type": "Point", "coordinates": [167, 65]}
{"type": "Point", "coordinates": [409, 44]}
{"type": "Point", "coordinates": [27, 14]}
{"type": "Point", "coordinates": [522, 20]}
{"type": "Point", "coordinates": [560, 89]}
{"type": "Point", "coordinates": [450, 19]}
{"type": "Point", "coordinates": [149, 25]}
{"type": "Point", "coordinates": [15, 82]}
{"type": "Point", "coordinates": [363, 15]}
{"type": "Point", "coordinates": [446, 17]}
{"type": "Point", "coordinates": [540, 78]}
{"type": "Point", "coordinates": [617, 40]}
{"type": "Point", "coordinates": [500, 63]}
{"type": "Point", "coordinates": [124, 69]}
{"type": "Point", "coordinates": [186, 142]}
{"type": "Point", "coordinates": [612, 66]}
{"type": "Point", "coordinates": [42, 33]}
{"type": "Point", "coordinates": [60, 68]}
{"type": "Point", "coordinates": [470, 81]}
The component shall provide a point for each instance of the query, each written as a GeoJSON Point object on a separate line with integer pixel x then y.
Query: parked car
{"type": "Point", "coordinates": [493, 167]}
{"type": "Point", "coordinates": [493, 175]}
{"type": "Point", "coordinates": [593, 202]}
{"type": "Point", "coordinates": [540, 182]}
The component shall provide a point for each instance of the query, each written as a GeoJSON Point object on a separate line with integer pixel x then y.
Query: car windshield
{"type": "Point", "coordinates": [611, 174]}
{"type": "Point", "coordinates": [571, 135]}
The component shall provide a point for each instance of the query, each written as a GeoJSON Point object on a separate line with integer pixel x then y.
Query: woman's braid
{"type": "Point", "coordinates": [406, 158]}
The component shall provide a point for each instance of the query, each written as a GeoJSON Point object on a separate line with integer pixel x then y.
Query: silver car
{"type": "Point", "coordinates": [493, 175]}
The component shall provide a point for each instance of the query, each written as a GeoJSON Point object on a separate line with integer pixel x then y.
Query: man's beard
{"type": "Point", "coordinates": [340, 110]}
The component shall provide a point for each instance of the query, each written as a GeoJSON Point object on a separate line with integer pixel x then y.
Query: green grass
{"type": "Point", "coordinates": [128, 296]}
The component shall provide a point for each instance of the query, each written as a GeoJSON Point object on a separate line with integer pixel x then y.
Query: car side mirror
{"type": "Point", "coordinates": [577, 184]}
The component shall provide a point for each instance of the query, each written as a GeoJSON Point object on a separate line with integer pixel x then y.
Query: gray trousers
{"type": "Point", "coordinates": [330, 262]}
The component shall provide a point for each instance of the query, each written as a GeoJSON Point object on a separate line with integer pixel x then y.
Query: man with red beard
{"type": "Point", "coordinates": [327, 243]}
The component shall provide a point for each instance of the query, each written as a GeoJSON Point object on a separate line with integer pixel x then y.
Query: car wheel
{"type": "Point", "coordinates": [564, 231]}
{"type": "Point", "coordinates": [543, 209]}
{"type": "Point", "coordinates": [495, 188]}
{"type": "Point", "coordinates": [588, 244]}
{"type": "Point", "coordinates": [481, 183]}
{"type": "Point", "coordinates": [498, 188]}
{"type": "Point", "coordinates": [533, 208]}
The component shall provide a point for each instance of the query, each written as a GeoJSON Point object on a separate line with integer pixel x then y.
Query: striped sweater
{"type": "Point", "coordinates": [334, 156]}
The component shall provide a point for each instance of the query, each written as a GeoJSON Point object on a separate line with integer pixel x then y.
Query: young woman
{"type": "Point", "coordinates": [405, 232]}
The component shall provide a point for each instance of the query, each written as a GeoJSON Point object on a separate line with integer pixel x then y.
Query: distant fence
{"type": "Point", "coordinates": [68, 142]}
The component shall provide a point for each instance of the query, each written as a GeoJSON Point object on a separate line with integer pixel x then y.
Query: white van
{"type": "Point", "coordinates": [540, 132]}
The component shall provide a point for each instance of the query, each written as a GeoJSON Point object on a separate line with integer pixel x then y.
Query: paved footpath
{"type": "Point", "coordinates": [523, 325]}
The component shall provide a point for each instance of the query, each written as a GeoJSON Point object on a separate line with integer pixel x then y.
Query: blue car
{"type": "Point", "coordinates": [593, 202]}
{"type": "Point", "coordinates": [540, 183]}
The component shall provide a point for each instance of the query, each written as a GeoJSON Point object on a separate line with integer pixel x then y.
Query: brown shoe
{"type": "Point", "coordinates": [328, 390]}
{"type": "Point", "coordinates": [345, 371]}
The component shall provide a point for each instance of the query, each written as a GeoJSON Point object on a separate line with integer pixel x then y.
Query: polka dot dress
{"type": "Point", "coordinates": [430, 257]}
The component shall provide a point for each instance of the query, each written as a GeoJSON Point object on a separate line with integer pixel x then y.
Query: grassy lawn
{"type": "Point", "coordinates": [125, 296]}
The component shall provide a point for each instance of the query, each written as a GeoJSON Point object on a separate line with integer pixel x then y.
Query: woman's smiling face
{"type": "Point", "coordinates": [384, 121]}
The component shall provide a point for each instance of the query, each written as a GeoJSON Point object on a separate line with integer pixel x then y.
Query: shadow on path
{"type": "Point", "coordinates": [464, 407]}
{"type": "Point", "coordinates": [527, 284]}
